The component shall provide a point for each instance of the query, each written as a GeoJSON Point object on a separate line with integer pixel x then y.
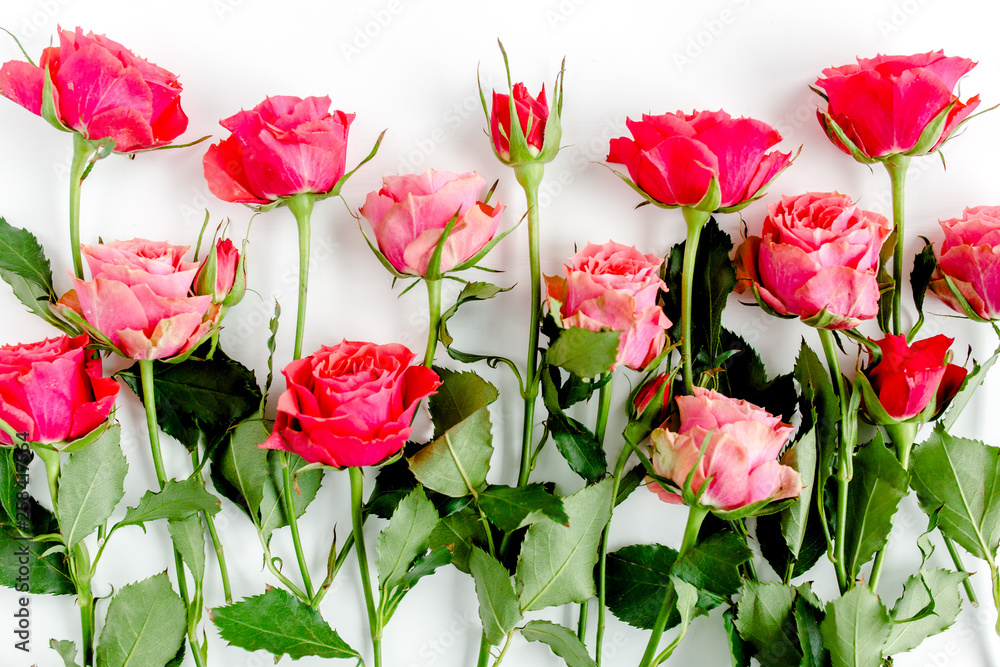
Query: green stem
{"type": "Point", "coordinates": [293, 522]}
{"type": "Point", "coordinates": [301, 206]}
{"type": "Point", "coordinates": [357, 521]}
{"type": "Point", "coordinates": [995, 581]}
{"type": "Point", "coordinates": [695, 220]}
{"type": "Point", "coordinates": [434, 307]}
{"type": "Point", "coordinates": [844, 468]}
{"type": "Point", "coordinates": [82, 574]}
{"type": "Point", "coordinates": [897, 166]}
{"type": "Point", "coordinates": [902, 436]}
{"type": "Point", "coordinates": [50, 457]}
{"type": "Point", "coordinates": [602, 563]}
{"type": "Point", "coordinates": [484, 652]}
{"type": "Point", "coordinates": [82, 154]}
{"type": "Point", "coordinates": [530, 176]}
{"type": "Point", "coordinates": [696, 515]}
{"type": "Point", "coordinates": [956, 558]}
{"type": "Point", "coordinates": [219, 552]}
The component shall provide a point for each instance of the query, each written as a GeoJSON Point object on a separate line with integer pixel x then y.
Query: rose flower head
{"type": "Point", "coordinates": [967, 277]}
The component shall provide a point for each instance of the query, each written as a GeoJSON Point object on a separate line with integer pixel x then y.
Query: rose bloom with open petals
{"type": "Point", "coordinates": [909, 376]}
{"type": "Point", "coordinates": [351, 404]}
{"type": "Point", "coordinates": [817, 252]}
{"type": "Point", "coordinates": [410, 212]}
{"type": "Point", "coordinates": [282, 147]}
{"type": "Point", "coordinates": [673, 157]}
{"type": "Point", "coordinates": [741, 457]}
{"type": "Point", "coordinates": [884, 104]}
{"type": "Point", "coordinates": [52, 391]}
{"type": "Point", "coordinates": [970, 256]}
{"type": "Point", "coordinates": [139, 298]}
{"type": "Point", "coordinates": [101, 90]}
{"type": "Point", "coordinates": [613, 287]}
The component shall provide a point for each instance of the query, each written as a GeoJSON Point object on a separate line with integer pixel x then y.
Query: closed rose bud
{"type": "Point", "coordinates": [222, 274]}
{"type": "Point", "coordinates": [910, 377]}
{"type": "Point", "coordinates": [532, 114]}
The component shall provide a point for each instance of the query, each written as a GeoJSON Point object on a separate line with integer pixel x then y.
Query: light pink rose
{"type": "Point", "coordinates": [741, 457]}
{"type": "Point", "coordinates": [139, 298]}
{"type": "Point", "coordinates": [411, 211]}
{"type": "Point", "coordinates": [613, 287]}
{"type": "Point", "coordinates": [816, 251]}
{"type": "Point", "coordinates": [970, 256]}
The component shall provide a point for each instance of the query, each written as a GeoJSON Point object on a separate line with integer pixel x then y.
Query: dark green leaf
{"type": "Point", "coordinates": [456, 463]}
{"type": "Point", "coordinates": [584, 353]}
{"type": "Point", "coordinates": [886, 283]}
{"type": "Point", "coordinates": [424, 566]}
{"type": "Point", "coordinates": [460, 532]}
{"type": "Point", "coordinates": [739, 653]}
{"type": "Point", "coordinates": [273, 514]}
{"type": "Point", "coordinates": [200, 397]}
{"type": "Point", "coordinates": [393, 483]}
{"type": "Point", "coordinates": [49, 575]}
{"type": "Point", "coordinates": [176, 501]}
{"type": "Point", "coordinates": [556, 563]}
{"type": "Point", "coordinates": [405, 538]}
{"type": "Point", "coordinates": [240, 466]}
{"type": "Point", "coordinates": [459, 397]}
{"type": "Point", "coordinates": [563, 642]}
{"type": "Point", "coordinates": [188, 537]}
{"type": "Point", "coordinates": [508, 507]}
{"type": "Point", "coordinates": [713, 565]}
{"type": "Point", "coordinates": [638, 577]}
{"type": "Point", "coordinates": [582, 450]}
{"type": "Point", "coordinates": [774, 547]}
{"type": "Point", "coordinates": [807, 625]}
{"type": "Point", "coordinates": [280, 624]}
{"type": "Point", "coordinates": [746, 378]}
{"type": "Point", "coordinates": [631, 481]}
{"type": "Point", "coordinates": [499, 610]}
{"type": "Point", "coordinates": [21, 254]}
{"type": "Point", "coordinates": [855, 629]}
{"type": "Point", "coordinates": [873, 497]}
{"type": "Point", "coordinates": [924, 264]}
{"type": "Point", "coordinates": [145, 625]}
{"type": "Point", "coordinates": [794, 520]}
{"type": "Point", "coordinates": [960, 480]}
{"type": "Point", "coordinates": [13, 460]}
{"type": "Point", "coordinates": [943, 588]}
{"type": "Point", "coordinates": [90, 485]}
{"type": "Point", "coordinates": [764, 618]}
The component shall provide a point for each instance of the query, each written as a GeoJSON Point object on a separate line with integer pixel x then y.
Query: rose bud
{"type": "Point", "coordinates": [705, 160]}
{"type": "Point", "coordinates": [351, 404]}
{"type": "Point", "coordinates": [222, 274]}
{"type": "Point", "coordinates": [970, 260]}
{"type": "Point", "coordinates": [739, 462]}
{"type": "Point", "coordinates": [817, 258]}
{"type": "Point", "coordinates": [613, 287]}
{"type": "Point", "coordinates": [892, 105]}
{"type": "Point", "coordinates": [101, 90]}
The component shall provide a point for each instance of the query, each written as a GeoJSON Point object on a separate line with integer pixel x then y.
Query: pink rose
{"type": "Point", "coordinates": [674, 157]}
{"type": "Point", "coordinates": [411, 211]}
{"type": "Point", "coordinates": [351, 404]}
{"type": "Point", "coordinates": [101, 90]}
{"type": "Point", "coordinates": [741, 458]}
{"type": "Point", "coordinates": [222, 274]}
{"type": "Point", "coordinates": [884, 104]}
{"type": "Point", "coordinates": [139, 299]}
{"type": "Point", "coordinates": [817, 253]}
{"type": "Point", "coordinates": [910, 376]}
{"type": "Point", "coordinates": [532, 114]}
{"type": "Point", "coordinates": [970, 256]}
{"type": "Point", "coordinates": [52, 391]}
{"type": "Point", "coordinates": [284, 146]}
{"type": "Point", "coordinates": [613, 287]}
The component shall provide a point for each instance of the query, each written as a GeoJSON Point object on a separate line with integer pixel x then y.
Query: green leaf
{"type": "Point", "coordinates": [739, 654]}
{"type": "Point", "coordinates": [460, 532]}
{"type": "Point", "coordinates": [966, 390]}
{"type": "Point", "coordinates": [90, 485]}
{"type": "Point", "coordinates": [556, 563]}
{"type": "Point", "coordinates": [924, 264]}
{"type": "Point", "coordinates": [145, 625]}
{"type": "Point", "coordinates": [764, 618]}
{"type": "Point", "coordinates": [582, 450]}
{"type": "Point", "coordinates": [745, 377]}
{"type": "Point", "coordinates": [199, 397]}
{"type": "Point", "coordinates": [584, 353]}
{"type": "Point", "coordinates": [774, 547]}
{"type": "Point", "coordinates": [240, 466]}
{"type": "Point", "coordinates": [459, 397]}
{"type": "Point", "coordinates": [393, 483]}
{"type": "Point", "coordinates": [176, 501]}
{"type": "Point", "coordinates": [424, 566]}
{"type": "Point", "coordinates": [886, 283]}
{"type": "Point", "coordinates": [873, 497]}
{"type": "Point", "coordinates": [405, 538]}
{"type": "Point", "coordinates": [48, 574]}
{"type": "Point", "coordinates": [13, 461]}
{"type": "Point", "coordinates": [563, 642]}
{"type": "Point", "coordinates": [510, 507]}
{"type": "Point", "coordinates": [942, 586]}
{"type": "Point", "coordinates": [638, 577]}
{"type": "Point", "coordinates": [499, 610]}
{"type": "Point", "coordinates": [475, 291]}
{"type": "Point", "coordinates": [188, 537]}
{"type": "Point", "coordinates": [794, 519]}
{"type": "Point", "coordinates": [66, 650]}
{"type": "Point", "coordinates": [712, 566]}
{"type": "Point", "coordinates": [960, 480]}
{"type": "Point", "coordinates": [273, 514]}
{"type": "Point", "coordinates": [855, 629]}
{"type": "Point", "coordinates": [807, 626]}
{"type": "Point", "coordinates": [280, 624]}
{"type": "Point", "coordinates": [456, 463]}
{"type": "Point", "coordinates": [687, 601]}
{"type": "Point", "coordinates": [22, 255]}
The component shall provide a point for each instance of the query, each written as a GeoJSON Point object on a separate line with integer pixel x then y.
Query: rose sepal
{"type": "Point", "coordinates": [931, 134]}
{"type": "Point", "coordinates": [80, 443]}
{"type": "Point", "coordinates": [967, 308]}
{"type": "Point", "coordinates": [837, 135]}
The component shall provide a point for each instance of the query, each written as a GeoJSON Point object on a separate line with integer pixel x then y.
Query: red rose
{"type": "Point", "coordinates": [52, 391]}
{"type": "Point", "coordinates": [909, 377]}
{"type": "Point", "coordinates": [970, 257]}
{"type": "Point", "coordinates": [532, 114]}
{"type": "Point", "coordinates": [102, 90]}
{"type": "Point", "coordinates": [351, 404]}
{"type": "Point", "coordinates": [884, 105]}
{"type": "Point", "coordinates": [817, 252]}
{"type": "Point", "coordinates": [674, 158]}
{"type": "Point", "coordinates": [284, 146]}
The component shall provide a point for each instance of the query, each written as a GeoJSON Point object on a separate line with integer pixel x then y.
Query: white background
{"type": "Point", "coordinates": [411, 67]}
